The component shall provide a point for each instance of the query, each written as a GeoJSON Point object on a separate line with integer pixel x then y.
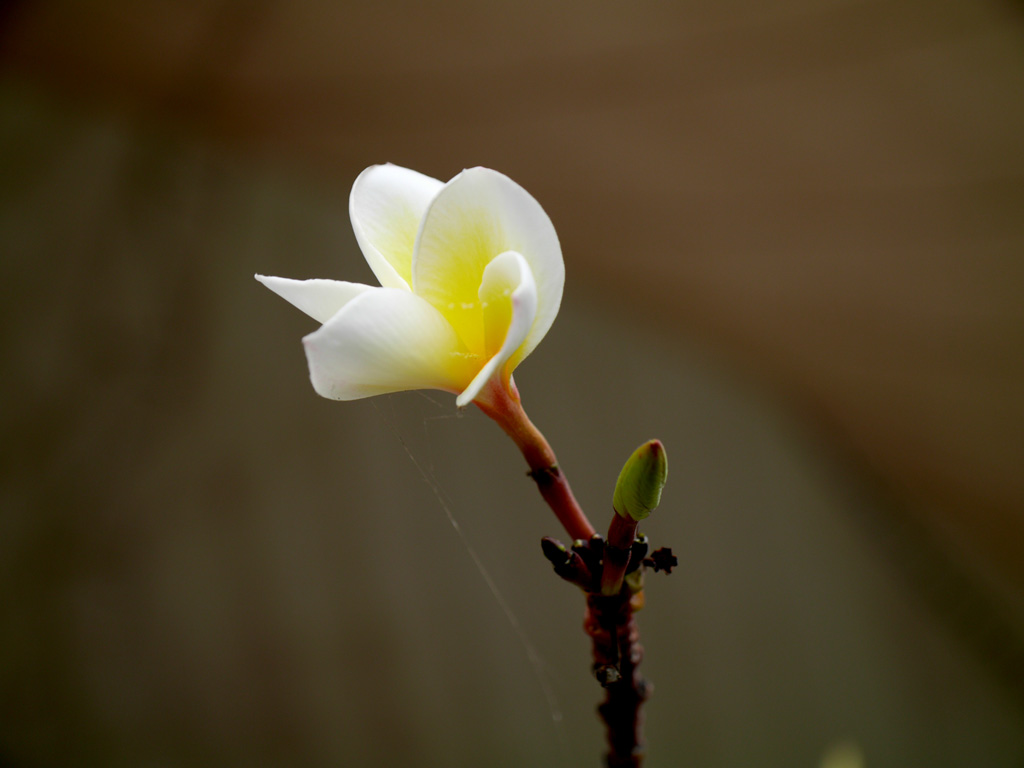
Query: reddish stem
{"type": "Point", "coordinates": [617, 548]}
{"type": "Point", "coordinates": [501, 402]}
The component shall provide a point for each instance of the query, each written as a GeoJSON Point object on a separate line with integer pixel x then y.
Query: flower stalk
{"type": "Point", "coordinates": [502, 403]}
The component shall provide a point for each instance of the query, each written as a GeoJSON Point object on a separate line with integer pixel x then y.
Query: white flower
{"type": "Point", "coordinates": [471, 277]}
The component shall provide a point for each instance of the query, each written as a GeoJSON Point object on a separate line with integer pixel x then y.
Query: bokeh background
{"type": "Point", "coordinates": [794, 241]}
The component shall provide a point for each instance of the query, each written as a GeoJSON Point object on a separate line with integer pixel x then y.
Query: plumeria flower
{"type": "Point", "coordinates": [471, 278]}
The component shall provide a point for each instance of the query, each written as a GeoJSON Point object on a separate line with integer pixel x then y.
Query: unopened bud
{"type": "Point", "coordinates": [638, 490]}
{"type": "Point", "coordinates": [554, 551]}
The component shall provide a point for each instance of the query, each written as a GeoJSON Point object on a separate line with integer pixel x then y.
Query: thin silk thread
{"type": "Point", "coordinates": [536, 662]}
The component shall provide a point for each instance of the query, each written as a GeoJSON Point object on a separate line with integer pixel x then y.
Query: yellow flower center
{"type": "Point", "coordinates": [468, 239]}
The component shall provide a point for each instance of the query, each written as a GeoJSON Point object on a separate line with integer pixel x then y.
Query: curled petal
{"type": "Point", "coordinates": [386, 205]}
{"type": "Point", "coordinates": [478, 215]}
{"type": "Point", "coordinates": [386, 340]}
{"type": "Point", "coordinates": [320, 299]}
{"type": "Point", "coordinates": [508, 296]}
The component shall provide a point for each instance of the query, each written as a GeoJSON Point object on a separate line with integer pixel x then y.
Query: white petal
{"type": "Point", "coordinates": [386, 340]}
{"type": "Point", "coordinates": [476, 216]}
{"type": "Point", "coordinates": [320, 299]}
{"type": "Point", "coordinates": [509, 288]}
{"type": "Point", "coordinates": [386, 205]}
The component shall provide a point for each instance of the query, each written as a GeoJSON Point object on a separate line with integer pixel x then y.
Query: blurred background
{"type": "Point", "coordinates": [794, 242]}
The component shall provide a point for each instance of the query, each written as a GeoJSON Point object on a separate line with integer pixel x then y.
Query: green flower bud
{"type": "Point", "coordinates": [638, 489]}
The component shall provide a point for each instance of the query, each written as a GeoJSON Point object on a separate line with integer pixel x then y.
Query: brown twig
{"type": "Point", "coordinates": [611, 624]}
{"type": "Point", "coordinates": [611, 576]}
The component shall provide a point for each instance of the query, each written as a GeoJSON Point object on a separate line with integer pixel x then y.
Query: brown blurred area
{"type": "Point", "coordinates": [794, 242]}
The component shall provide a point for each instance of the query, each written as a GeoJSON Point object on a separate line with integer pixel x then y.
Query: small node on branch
{"type": "Point", "coordinates": [544, 476]}
{"type": "Point", "coordinates": [591, 551]}
{"type": "Point", "coordinates": [554, 551]}
{"type": "Point", "coordinates": [637, 553]}
{"type": "Point", "coordinates": [662, 560]}
{"type": "Point", "coordinates": [567, 563]}
{"type": "Point", "coordinates": [607, 674]}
